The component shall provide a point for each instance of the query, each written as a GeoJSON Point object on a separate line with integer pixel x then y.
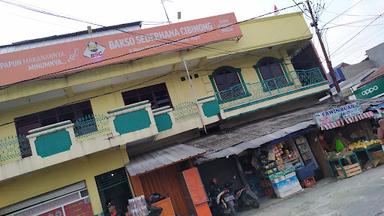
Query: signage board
{"type": "Point", "coordinates": [371, 90]}
{"type": "Point", "coordinates": [335, 114]}
{"type": "Point", "coordinates": [100, 51]}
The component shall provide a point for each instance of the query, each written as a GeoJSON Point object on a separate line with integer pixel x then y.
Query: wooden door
{"type": "Point", "coordinates": [167, 182]}
{"type": "Point", "coordinates": [196, 190]}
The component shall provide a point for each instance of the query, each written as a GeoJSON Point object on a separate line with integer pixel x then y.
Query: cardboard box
{"type": "Point", "coordinates": [378, 155]}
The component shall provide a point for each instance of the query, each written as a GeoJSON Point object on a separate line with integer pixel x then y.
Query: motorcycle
{"type": "Point", "coordinates": [226, 201]}
{"type": "Point", "coordinates": [246, 199]}
{"type": "Point", "coordinates": [221, 199]}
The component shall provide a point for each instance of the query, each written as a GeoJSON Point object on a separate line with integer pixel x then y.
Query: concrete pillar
{"type": "Point", "coordinates": [94, 195]}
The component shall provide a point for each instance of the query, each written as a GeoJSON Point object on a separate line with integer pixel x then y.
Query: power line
{"type": "Point", "coordinates": [340, 14]}
{"type": "Point", "coordinates": [348, 23]}
{"type": "Point", "coordinates": [88, 22]}
{"type": "Point", "coordinates": [180, 40]}
{"type": "Point", "coordinates": [358, 48]}
{"type": "Point", "coordinates": [298, 5]}
{"type": "Point", "coordinates": [129, 87]}
{"type": "Point", "coordinates": [350, 39]}
{"type": "Point", "coordinates": [358, 15]}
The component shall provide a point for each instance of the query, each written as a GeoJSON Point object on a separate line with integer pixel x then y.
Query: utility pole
{"type": "Point", "coordinates": [193, 92]}
{"type": "Point", "coordinates": [328, 61]}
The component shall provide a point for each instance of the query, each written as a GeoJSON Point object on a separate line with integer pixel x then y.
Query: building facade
{"type": "Point", "coordinates": [79, 112]}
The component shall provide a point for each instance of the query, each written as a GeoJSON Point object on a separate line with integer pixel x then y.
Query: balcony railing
{"type": "Point", "coordinates": [137, 121]}
{"type": "Point", "coordinates": [10, 150]}
{"type": "Point", "coordinates": [91, 126]}
{"type": "Point", "coordinates": [249, 92]}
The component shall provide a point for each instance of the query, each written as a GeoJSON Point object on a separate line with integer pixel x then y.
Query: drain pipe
{"type": "Point", "coordinates": [193, 92]}
{"type": "Point", "coordinates": [186, 69]}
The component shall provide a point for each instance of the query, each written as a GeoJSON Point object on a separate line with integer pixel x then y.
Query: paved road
{"type": "Point", "coordinates": [361, 195]}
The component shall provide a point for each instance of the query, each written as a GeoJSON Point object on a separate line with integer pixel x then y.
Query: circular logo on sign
{"type": "Point", "coordinates": [370, 90]}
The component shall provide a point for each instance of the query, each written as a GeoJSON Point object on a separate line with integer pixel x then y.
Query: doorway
{"type": "Point", "coordinates": [113, 187]}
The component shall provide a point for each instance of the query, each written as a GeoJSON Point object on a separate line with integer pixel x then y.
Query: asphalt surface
{"type": "Point", "coordinates": [360, 195]}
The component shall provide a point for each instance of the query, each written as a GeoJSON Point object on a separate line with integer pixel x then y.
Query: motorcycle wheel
{"type": "Point", "coordinates": [231, 206]}
{"type": "Point", "coordinates": [254, 203]}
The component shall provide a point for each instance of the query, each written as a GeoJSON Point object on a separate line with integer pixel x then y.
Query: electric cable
{"type": "Point", "coordinates": [351, 38]}
{"type": "Point", "coordinates": [137, 51]}
{"type": "Point", "coordinates": [340, 14]}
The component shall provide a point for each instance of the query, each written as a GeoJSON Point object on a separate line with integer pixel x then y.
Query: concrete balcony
{"type": "Point", "coordinates": [132, 125]}
{"type": "Point", "coordinates": [253, 96]}
{"type": "Point", "coordinates": [64, 141]}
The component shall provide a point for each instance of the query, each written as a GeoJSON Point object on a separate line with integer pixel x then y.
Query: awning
{"type": "Point", "coordinates": [161, 158]}
{"type": "Point", "coordinates": [237, 149]}
{"type": "Point", "coordinates": [349, 120]}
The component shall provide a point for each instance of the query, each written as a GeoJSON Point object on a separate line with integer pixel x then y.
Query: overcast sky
{"type": "Point", "coordinates": [19, 24]}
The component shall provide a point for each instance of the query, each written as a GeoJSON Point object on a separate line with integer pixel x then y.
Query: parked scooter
{"type": "Point", "coordinates": [226, 200]}
{"type": "Point", "coordinates": [246, 199]}
{"type": "Point", "coordinates": [221, 199]}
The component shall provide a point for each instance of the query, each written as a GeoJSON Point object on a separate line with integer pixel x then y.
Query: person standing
{"type": "Point", "coordinates": [112, 211]}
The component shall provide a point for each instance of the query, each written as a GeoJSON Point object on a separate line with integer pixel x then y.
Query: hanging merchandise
{"type": "Point", "coordinates": [339, 145]}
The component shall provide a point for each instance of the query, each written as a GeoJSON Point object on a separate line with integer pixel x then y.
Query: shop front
{"type": "Point", "coordinates": [276, 165]}
{"type": "Point", "coordinates": [281, 167]}
{"type": "Point", "coordinates": [349, 140]}
{"type": "Point", "coordinates": [169, 174]}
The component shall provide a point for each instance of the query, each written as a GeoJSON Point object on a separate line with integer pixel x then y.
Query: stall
{"type": "Point", "coordinates": [351, 144]}
{"type": "Point", "coordinates": [281, 167]}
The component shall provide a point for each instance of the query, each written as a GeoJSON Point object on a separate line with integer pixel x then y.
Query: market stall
{"type": "Point", "coordinates": [351, 144]}
{"type": "Point", "coordinates": [279, 167]}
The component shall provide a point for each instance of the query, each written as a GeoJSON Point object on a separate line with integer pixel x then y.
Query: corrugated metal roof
{"type": "Point", "coordinates": [161, 158]}
{"type": "Point", "coordinates": [237, 149]}
{"type": "Point", "coordinates": [255, 134]}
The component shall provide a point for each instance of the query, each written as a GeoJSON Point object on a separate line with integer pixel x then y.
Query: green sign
{"type": "Point", "coordinates": [371, 90]}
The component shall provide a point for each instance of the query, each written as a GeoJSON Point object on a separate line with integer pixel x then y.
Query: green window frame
{"type": "Point", "coordinates": [219, 96]}
{"type": "Point", "coordinates": [266, 87]}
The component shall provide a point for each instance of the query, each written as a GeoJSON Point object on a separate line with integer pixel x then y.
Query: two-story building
{"type": "Point", "coordinates": [76, 108]}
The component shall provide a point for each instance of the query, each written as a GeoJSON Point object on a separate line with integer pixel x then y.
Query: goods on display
{"type": "Point", "coordinates": [363, 144]}
{"type": "Point", "coordinates": [138, 206]}
{"type": "Point", "coordinates": [304, 150]}
{"type": "Point", "coordinates": [286, 185]}
{"type": "Point", "coordinates": [279, 169]}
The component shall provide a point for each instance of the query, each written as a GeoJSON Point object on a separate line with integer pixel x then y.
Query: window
{"type": "Point", "coordinates": [156, 94]}
{"type": "Point", "coordinates": [271, 73]}
{"type": "Point", "coordinates": [228, 83]}
{"type": "Point", "coordinates": [72, 112]}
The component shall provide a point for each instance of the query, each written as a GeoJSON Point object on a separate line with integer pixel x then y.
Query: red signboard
{"type": "Point", "coordinates": [99, 51]}
{"type": "Point", "coordinates": [79, 208]}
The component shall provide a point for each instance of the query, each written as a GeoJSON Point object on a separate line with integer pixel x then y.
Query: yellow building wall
{"type": "Point", "coordinates": [257, 34]}
{"type": "Point", "coordinates": [110, 97]}
{"type": "Point", "coordinates": [58, 176]}
{"type": "Point", "coordinates": [107, 98]}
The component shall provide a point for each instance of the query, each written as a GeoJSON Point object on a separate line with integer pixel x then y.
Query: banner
{"type": "Point", "coordinates": [100, 51]}
{"type": "Point", "coordinates": [336, 114]}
